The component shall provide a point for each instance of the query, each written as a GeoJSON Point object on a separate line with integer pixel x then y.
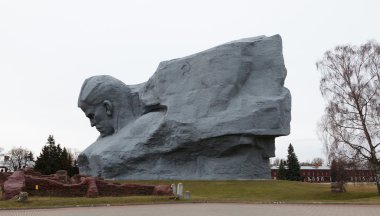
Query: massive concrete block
{"type": "Point", "coordinates": [211, 115]}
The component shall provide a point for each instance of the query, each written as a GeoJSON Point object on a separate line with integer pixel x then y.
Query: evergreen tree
{"type": "Point", "coordinates": [65, 159]}
{"type": "Point", "coordinates": [54, 158]}
{"type": "Point", "coordinates": [293, 172]}
{"type": "Point", "coordinates": [43, 162]}
{"type": "Point", "coordinates": [282, 172]}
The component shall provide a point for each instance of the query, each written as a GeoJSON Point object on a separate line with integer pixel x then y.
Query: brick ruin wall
{"type": "Point", "coordinates": [61, 185]}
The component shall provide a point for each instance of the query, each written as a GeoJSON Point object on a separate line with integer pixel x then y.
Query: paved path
{"type": "Point", "coordinates": [205, 210]}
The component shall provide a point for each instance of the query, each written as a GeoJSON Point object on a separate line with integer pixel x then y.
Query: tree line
{"type": "Point", "coordinates": [51, 159]}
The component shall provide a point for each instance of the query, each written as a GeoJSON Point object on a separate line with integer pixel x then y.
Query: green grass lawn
{"type": "Point", "coordinates": [224, 191]}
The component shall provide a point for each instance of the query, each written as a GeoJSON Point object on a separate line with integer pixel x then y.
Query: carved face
{"type": "Point", "coordinates": [101, 117]}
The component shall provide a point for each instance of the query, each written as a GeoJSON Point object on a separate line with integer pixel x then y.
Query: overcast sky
{"type": "Point", "coordinates": [48, 48]}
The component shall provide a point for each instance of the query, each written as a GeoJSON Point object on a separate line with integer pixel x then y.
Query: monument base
{"type": "Point", "coordinates": [221, 158]}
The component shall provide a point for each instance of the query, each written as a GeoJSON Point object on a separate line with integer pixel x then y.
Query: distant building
{"type": "Point", "coordinates": [322, 174]}
{"type": "Point", "coordinates": [4, 167]}
{"type": "Point", "coordinates": [315, 173]}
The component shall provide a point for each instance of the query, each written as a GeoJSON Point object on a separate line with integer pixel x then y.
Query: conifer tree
{"type": "Point", "coordinates": [66, 161]}
{"type": "Point", "coordinates": [43, 162]}
{"type": "Point", "coordinates": [293, 172]}
{"type": "Point", "coordinates": [54, 158]}
{"type": "Point", "coordinates": [282, 172]}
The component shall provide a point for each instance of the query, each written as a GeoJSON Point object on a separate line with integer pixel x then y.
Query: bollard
{"type": "Point", "coordinates": [187, 195]}
{"type": "Point", "coordinates": [174, 189]}
{"type": "Point", "coordinates": [180, 190]}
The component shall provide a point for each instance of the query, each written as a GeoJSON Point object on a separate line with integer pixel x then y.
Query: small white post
{"type": "Point", "coordinates": [174, 189]}
{"type": "Point", "coordinates": [180, 190]}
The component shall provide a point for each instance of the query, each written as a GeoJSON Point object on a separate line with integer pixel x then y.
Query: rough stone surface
{"type": "Point", "coordinates": [21, 197]}
{"type": "Point", "coordinates": [14, 185]}
{"type": "Point", "coordinates": [163, 190]}
{"type": "Point", "coordinates": [92, 190]}
{"type": "Point", "coordinates": [81, 186]}
{"type": "Point", "coordinates": [211, 115]}
{"type": "Point", "coordinates": [3, 177]}
{"type": "Point", "coordinates": [62, 176]}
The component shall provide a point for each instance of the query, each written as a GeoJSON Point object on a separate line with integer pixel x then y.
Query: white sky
{"type": "Point", "coordinates": [48, 48]}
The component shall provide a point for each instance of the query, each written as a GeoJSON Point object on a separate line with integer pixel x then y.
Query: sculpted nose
{"type": "Point", "coordinates": [93, 123]}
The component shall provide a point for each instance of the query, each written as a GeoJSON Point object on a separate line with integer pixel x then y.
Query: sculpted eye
{"type": "Point", "coordinates": [90, 115]}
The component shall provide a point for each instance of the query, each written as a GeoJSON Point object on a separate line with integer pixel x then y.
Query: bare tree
{"type": "Point", "coordinates": [276, 161]}
{"type": "Point", "coordinates": [350, 84]}
{"type": "Point", "coordinates": [19, 158]}
{"type": "Point", "coordinates": [74, 153]}
{"type": "Point", "coordinates": [317, 161]}
{"type": "Point", "coordinates": [2, 155]}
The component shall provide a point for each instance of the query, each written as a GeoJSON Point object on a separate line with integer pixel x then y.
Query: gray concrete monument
{"type": "Point", "coordinates": [211, 115]}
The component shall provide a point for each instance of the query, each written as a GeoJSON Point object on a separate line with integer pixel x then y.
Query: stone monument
{"type": "Point", "coordinates": [211, 115]}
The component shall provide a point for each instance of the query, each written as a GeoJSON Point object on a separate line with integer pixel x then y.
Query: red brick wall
{"type": "Point", "coordinates": [83, 186]}
{"type": "Point", "coordinates": [3, 177]}
{"type": "Point", "coordinates": [110, 189]}
{"type": "Point", "coordinates": [48, 187]}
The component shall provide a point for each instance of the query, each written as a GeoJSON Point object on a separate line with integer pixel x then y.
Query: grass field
{"type": "Point", "coordinates": [224, 191]}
